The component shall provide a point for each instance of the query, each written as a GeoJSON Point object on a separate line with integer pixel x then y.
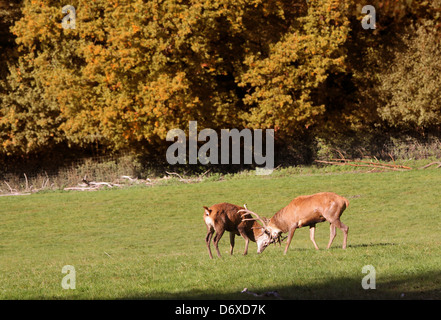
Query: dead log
{"type": "Point", "coordinates": [375, 163]}
{"type": "Point", "coordinates": [358, 165]}
{"type": "Point", "coordinates": [431, 164]}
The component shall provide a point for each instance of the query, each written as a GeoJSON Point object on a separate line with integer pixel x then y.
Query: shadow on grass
{"type": "Point", "coordinates": [367, 245]}
{"type": "Point", "coordinates": [338, 246]}
{"type": "Point", "coordinates": [420, 286]}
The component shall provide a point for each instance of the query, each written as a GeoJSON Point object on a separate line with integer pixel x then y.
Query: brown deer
{"type": "Point", "coordinates": [306, 211]}
{"type": "Point", "coordinates": [223, 217]}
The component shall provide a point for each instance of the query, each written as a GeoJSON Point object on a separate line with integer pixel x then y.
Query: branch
{"type": "Point", "coordinates": [92, 183]}
{"type": "Point", "coordinates": [374, 163]}
{"type": "Point", "coordinates": [27, 183]}
{"type": "Point", "coordinates": [431, 164]}
{"type": "Point", "coordinates": [371, 165]}
{"type": "Point", "coordinates": [82, 188]}
{"type": "Point", "coordinates": [12, 190]}
{"type": "Point", "coordinates": [175, 174]}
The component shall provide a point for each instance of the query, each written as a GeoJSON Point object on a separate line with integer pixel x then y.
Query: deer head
{"type": "Point", "coordinates": [265, 238]}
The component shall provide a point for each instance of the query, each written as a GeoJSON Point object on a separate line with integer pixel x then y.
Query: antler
{"type": "Point", "coordinates": [248, 212]}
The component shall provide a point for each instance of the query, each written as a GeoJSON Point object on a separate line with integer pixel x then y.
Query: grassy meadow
{"type": "Point", "coordinates": [148, 242]}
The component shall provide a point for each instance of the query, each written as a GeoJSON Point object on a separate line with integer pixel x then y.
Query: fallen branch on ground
{"type": "Point", "coordinates": [177, 174]}
{"type": "Point", "coordinates": [129, 178]}
{"type": "Point", "coordinates": [199, 178]}
{"type": "Point", "coordinates": [346, 162]}
{"type": "Point", "coordinates": [431, 164]}
{"type": "Point", "coordinates": [92, 186]}
{"type": "Point", "coordinates": [81, 188]}
{"type": "Point", "coordinates": [110, 185]}
{"type": "Point", "coordinates": [375, 163]}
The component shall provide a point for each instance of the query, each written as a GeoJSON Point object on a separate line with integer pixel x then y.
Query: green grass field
{"type": "Point", "coordinates": [148, 242]}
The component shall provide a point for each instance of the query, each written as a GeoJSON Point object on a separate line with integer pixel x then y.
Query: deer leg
{"type": "Point", "coordinates": [290, 235]}
{"type": "Point", "coordinates": [331, 235]}
{"type": "Point", "coordinates": [232, 235]}
{"type": "Point", "coordinates": [217, 238]}
{"type": "Point", "coordinates": [345, 230]}
{"type": "Point", "coordinates": [208, 240]}
{"type": "Point", "coordinates": [312, 235]}
{"type": "Point", "coordinates": [247, 240]}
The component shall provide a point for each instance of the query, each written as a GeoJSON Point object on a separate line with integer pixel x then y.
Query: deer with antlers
{"type": "Point", "coordinates": [305, 211]}
{"type": "Point", "coordinates": [223, 217]}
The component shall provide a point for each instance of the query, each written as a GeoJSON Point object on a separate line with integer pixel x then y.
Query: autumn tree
{"type": "Point", "coordinates": [132, 70]}
{"type": "Point", "coordinates": [280, 81]}
{"type": "Point", "coordinates": [410, 88]}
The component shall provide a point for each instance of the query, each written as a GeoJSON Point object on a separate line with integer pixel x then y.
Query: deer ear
{"type": "Point", "coordinates": [207, 211]}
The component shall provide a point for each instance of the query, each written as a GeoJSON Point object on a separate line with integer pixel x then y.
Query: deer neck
{"type": "Point", "coordinates": [256, 231]}
{"type": "Point", "coordinates": [278, 222]}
